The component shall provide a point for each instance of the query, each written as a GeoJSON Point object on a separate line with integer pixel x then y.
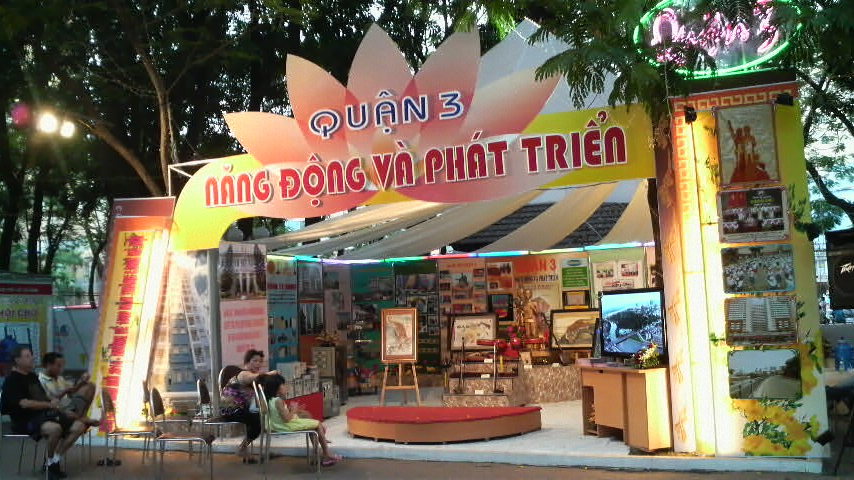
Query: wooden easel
{"type": "Point", "coordinates": [400, 385]}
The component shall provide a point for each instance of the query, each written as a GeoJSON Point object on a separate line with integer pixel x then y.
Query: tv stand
{"type": "Point", "coordinates": [628, 403]}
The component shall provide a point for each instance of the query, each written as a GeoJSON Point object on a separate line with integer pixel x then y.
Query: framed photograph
{"type": "Point", "coordinates": [470, 329]}
{"type": "Point", "coordinates": [747, 144]}
{"type": "Point", "coordinates": [753, 215]}
{"type": "Point", "coordinates": [760, 268]}
{"type": "Point", "coordinates": [501, 304]}
{"type": "Point", "coordinates": [753, 321]}
{"type": "Point", "coordinates": [770, 373]}
{"type": "Point", "coordinates": [399, 335]}
{"type": "Point", "coordinates": [526, 358]}
{"type": "Point", "coordinates": [576, 299]}
{"type": "Point", "coordinates": [573, 328]}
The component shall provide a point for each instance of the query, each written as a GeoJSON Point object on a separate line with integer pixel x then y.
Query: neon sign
{"type": "Point", "coordinates": [736, 46]}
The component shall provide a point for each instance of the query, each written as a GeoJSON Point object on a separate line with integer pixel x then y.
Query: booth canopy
{"type": "Point", "coordinates": [427, 228]}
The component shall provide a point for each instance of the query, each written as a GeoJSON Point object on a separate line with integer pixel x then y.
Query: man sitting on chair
{"type": "Point", "coordinates": [33, 413]}
{"type": "Point", "coordinates": [74, 399]}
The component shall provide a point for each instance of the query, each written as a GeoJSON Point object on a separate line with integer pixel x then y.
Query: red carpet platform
{"type": "Point", "coordinates": [441, 424]}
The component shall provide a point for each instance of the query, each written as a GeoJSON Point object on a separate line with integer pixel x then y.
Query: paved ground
{"type": "Point", "coordinates": [229, 467]}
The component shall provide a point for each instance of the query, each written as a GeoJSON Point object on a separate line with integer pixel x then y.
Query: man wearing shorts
{"type": "Point", "coordinates": [74, 398]}
{"type": "Point", "coordinates": [33, 413]}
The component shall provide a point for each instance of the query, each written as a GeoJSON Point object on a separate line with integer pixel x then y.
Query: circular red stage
{"type": "Point", "coordinates": [441, 424]}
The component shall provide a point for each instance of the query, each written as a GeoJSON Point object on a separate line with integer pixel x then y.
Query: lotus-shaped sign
{"type": "Point", "coordinates": [389, 135]}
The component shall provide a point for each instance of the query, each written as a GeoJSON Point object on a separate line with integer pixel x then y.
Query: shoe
{"type": "Point", "coordinates": [54, 470]}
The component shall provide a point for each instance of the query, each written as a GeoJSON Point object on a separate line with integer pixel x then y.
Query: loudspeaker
{"type": "Point", "coordinates": [840, 268]}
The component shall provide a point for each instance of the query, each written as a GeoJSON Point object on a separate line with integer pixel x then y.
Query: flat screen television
{"type": "Point", "coordinates": [631, 320]}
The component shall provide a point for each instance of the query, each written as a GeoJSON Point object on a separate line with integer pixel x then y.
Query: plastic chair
{"type": "Point", "coordinates": [267, 433]}
{"type": "Point", "coordinates": [109, 408]}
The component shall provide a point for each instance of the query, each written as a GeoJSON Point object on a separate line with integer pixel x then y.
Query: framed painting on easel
{"type": "Point", "coordinates": [399, 335]}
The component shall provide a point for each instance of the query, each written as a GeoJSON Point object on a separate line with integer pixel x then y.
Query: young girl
{"type": "Point", "coordinates": [292, 418]}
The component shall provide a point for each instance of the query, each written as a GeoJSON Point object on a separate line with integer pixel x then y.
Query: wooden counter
{"type": "Point", "coordinates": [628, 402]}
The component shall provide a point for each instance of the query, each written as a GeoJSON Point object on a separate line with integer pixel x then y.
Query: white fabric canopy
{"type": "Point", "coordinates": [454, 224]}
{"type": "Point", "coordinates": [558, 221]}
{"type": "Point", "coordinates": [635, 224]}
{"type": "Point", "coordinates": [365, 234]}
{"type": "Point", "coordinates": [351, 221]}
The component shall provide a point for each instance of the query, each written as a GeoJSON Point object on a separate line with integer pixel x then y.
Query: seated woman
{"type": "Point", "coordinates": [237, 397]}
{"type": "Point", "coordinates": [293, 418]}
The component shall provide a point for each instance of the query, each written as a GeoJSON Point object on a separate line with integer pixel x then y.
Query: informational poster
{"type": "Point", "coordinates": [541, 276]}
{"type": "Point", "coordinates": [243, 300]}
{"type": "Point", "coordinates": [415, 287]}
{"type": "Point", "coordinates": [182, 352]}
{"type": "Point", "coordinates": [282, 310]}
{"type": "Point", "coordinates": [24, 309]}
{"type": "Point", "coordinates": [575, 273]}
{"type": "Point", "coordinates": [747, 144]}
{"type": "Point", "coordinates": [338, 297]}
{"type": "Point", "coordinates": [617, 269]}
{"type": "Point", "coordinates": [373, 290]}
{"type": "Point", "coordinates": [754, 215]}
{"type": "Point", "coordinates": [499, 277]}
{"type": "Point", "coordinates": [462, 290]}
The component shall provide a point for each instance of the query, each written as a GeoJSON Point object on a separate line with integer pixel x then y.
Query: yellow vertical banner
{"type": "Point", "coordinates": [129, 305]}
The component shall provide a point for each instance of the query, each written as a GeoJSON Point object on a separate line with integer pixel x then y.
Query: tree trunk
{"type": "Point", "coordinates": [34, 232]}
{"type": "Point", "coordinates": [93, 269]}
{"type": "Point", "coordinates": [11, 208]}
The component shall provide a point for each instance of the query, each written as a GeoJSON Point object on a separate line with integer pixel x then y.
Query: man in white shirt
{"type": "Point", "coordinates": [74, 398]}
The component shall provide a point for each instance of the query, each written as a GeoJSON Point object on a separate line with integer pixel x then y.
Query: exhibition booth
{"type": "Point", "coordinates": [690, 330]}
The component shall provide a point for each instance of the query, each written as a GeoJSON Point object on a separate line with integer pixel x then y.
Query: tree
{"type": "Point", "coordinates": [600, 35]}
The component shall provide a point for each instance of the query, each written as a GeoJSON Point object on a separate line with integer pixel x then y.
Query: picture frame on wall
{"type": "Point", "coordinates": [753, 215]}
{"type": "Point", "coordinates": [758, 268]}
{"type": "Point", "coordinates": [773, 374]}
{"type": "Point", "coordinates": [501, 304]}
{"type": "Point", "coordinates": [399, 335]}
{"type": "Point", "coordinates": [576, 299]}
{"type": "Point", "coordinates": [754, 321]}
{"type": "Point", "coordinates": [470, 329]}
{"type": "Point", "coordinates": [573, 328]}
{"type": "Point", "coordinates": [747, 143]}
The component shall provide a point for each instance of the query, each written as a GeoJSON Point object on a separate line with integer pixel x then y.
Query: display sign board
{"type": "Point", "coordinates": [735, 45]}
{"type": "Point", "coordinates": [389, 135]}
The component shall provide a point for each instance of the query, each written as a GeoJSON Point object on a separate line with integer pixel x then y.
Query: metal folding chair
{"type": "Point", "coordinates": [109, 413]}
{"type": "Point", "coordinates": [311, 436]}
{"type": "Point", "coordinates": [22, 438]}
{"type": "Point", "coordinates": [164, 437]}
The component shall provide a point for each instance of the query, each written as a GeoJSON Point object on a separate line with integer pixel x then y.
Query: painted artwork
{"type": "Point", "coordinates": [468, 329]}
{"type": "Point", "coordinates": [761, 268]}
{"type": "Point", "coordinates": [754, 215]}
{"type": "Point", "coordinates": [747, 144]}
{"type": "Point", "coordinates": [573, 328]}
{"type": "Point", "coordinates": [753, 321]}
{"type": "Point", "coordinates": [773, 374]}
{"type": "Point", "coordinates": [399, 335]}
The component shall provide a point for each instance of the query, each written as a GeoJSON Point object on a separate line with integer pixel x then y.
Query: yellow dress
{"type": "Point", "coordinates": [278, 424]}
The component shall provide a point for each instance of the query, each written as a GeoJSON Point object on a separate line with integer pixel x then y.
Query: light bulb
{"type": "Point", "coordinates": [48, 123]}
{"type": "Point", "coordinates": [67, 129]}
